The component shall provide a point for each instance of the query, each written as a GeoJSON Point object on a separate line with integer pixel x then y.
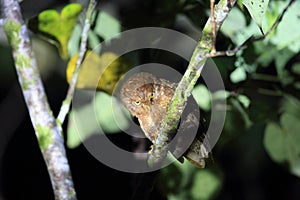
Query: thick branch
{"type": "Point", "coordinates": [48, 132]}
{"type": "Point", "coordinates": [64, 110]}
{"type": "Point", "coordinates": [188, 81]}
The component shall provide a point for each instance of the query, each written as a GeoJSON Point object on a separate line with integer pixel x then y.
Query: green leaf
{"type": "Point", "coordinates": [287, 34]}
{"type": "Point", "coordinates": [238, 75]}
{"type": "Point", "coordinates": [220, 95]}
{"type": "Point", "coordinates": [296, 68]}
{"type": "Point", "coordinates": [108, 119]}
{"type": "Point", "coordinates": [281, 58]}
{"type": "Point", "coordinates": [73, 44]}
{"type": "Point", "coordinates": [291, 105]}
{"type": "Point", "coordinates": [57, 28]}
{"type": "Point", "coordinates": [244, 100]}
{"type": "Point", "coordinates": [234, 22]}
{"type": "Point", "coordinates": [235, 27]}
{"type": "Point", "coordinates": [257, 9]}
{"type": "Point", "coordinates": [202, 96]}
{"type": "Point", "coordinates": [206, 185]}
{"type": "Point", "coordinates": [85, 128]}
{"type": "Point", "coordinates": [274, 142]}
{"type": "Point", "coordinates": [185, 181]}
{"type": "Point", "coordinates": [282, 142]}
{"type": "Point", "coordinates": [109, 113]}
{"type": "Point", "coordinates": [107, 26]}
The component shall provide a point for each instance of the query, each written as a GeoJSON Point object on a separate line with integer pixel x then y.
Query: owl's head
{"type": "Point", "coordinates": [137, 93]}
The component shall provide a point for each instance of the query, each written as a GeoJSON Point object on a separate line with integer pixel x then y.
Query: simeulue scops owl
{"type": "Point", "coordinates": [147, 98]}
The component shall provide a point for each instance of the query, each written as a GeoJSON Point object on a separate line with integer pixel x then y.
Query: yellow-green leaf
{"type": "Point", "coordinates": [101, 72]}
{"type": "Point", "coordinates": [57, 27]}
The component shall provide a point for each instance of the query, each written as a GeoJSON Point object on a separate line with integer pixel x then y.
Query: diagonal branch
{"type": "Point", "coordinates": [188, 81]}
{"type": "Point", "coordinates": [47, 130]}
{"type": "Point", "coordinates": [65, 107]}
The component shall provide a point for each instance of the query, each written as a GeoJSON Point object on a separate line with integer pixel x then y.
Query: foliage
{"type": "Point", "coordinates": [249, 66]}
{"type": "Point", "coordinates": [99, 72]}
{"type": "Point", "coordinates": [262, 83]}
{"type": "Point", "coordinates": [57, 27]}
{"type": "Point", "coordinates": [185, 181]}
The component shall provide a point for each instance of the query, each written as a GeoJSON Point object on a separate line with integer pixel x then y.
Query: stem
{"type": "Point", "coordinates": [252, 38]}
{"type": "Point", "coordinates": [187, 83]}
{"type": "Point", "coordinates": [47, 130]}
{"type": "Point", "coordinates": [212, 18]}
{"type": "Point", "coordinates": [65, 107]}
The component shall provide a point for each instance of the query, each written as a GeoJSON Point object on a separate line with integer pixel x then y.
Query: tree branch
{"type": "Point", "coordinates": [47, 130]}
{"type": "Point", "coordinates": [187, 83]}
{"type": "Point", "coordinates": [65, 107]}
{"type": "Point", "coordinates": [252, 38]}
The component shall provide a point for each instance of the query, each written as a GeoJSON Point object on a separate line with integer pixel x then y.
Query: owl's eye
{"type": "Point", "coordinates": [152, 95]}
{"type": "Point", "coordinates": [137, 103]}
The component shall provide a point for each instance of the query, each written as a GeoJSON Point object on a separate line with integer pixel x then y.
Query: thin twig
{"type": "Point", "coordinates": [252, 39]}
{"type": "Point", "coordinates": [213, 22]}
{"type": "Point", "coordinates": [65, 107]}
{"type": "Point", "coordinates": [47, 130]}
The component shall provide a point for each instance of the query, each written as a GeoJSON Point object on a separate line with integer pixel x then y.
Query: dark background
{"type": "Point", "coordinates": [249, 173]}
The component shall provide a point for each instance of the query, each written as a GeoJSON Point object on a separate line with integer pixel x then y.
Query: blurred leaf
{"type": "Point", "coordinates": [296, 68]}
{"type": "Point", "coordinates": [233, 127]}
{"type": "Point", "coordinates": [109, 118]}
{"type": "Point", "coordinates": [242, 112]}
{"type": "Point", "coordinates": [109, 114]}
{"type": "Point", "coordinates": [266, 53]}
{"type": "Point", "coordinates": [185, 181]}
{"type": "Point", "coordinates": [287, 34]}
{"type": "Point", "coordinates": [221, 95]}
{"type": "Point", "coordinates": [238, 75]}
{"type": "Point", "coordinates": [235, 27]}
{"type": "Point", "coordinates": [257, 9]}
{"type": "Point", "coordinates": [282, 142]}
{"type": "Point", "coordinates": [271, 15]}
{"type": "Point", "coordinates": [85, 128]}
{"type": "Point", "coordinates": [269, 52]}
{"type": "Point", "coordinates": [241, 62]}
{"type": "Point", "coordinates": [207, 184]}
{"type": "Point", "coordinates": [202, 96]}
{"type": "Point", "coordinates": [74, 41]}
{"type": "Point", "coordinates": [290, 105]}
{"type": "Point", "coordinates": [281, 58]}
{"type": "Point", "coordinates": [101, 72]}
{"type": "Point", "coordinates": [57, 28]}
{"type": "Point", "coordinates": [244, 100]}
{"type": "Point", "coordinates": [274, 142]}
{"type": "Point", "coordinates": [94, 42]}
{"type": "Point", "coordinates": [107, 26]}
{"type": "Point", "coordinates": [234, 22]}
{"type": "Point", "coordinates": [170, 180]}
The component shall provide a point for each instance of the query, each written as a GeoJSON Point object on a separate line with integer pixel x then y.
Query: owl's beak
{"type": "Point", "coordinates": [145, 107]}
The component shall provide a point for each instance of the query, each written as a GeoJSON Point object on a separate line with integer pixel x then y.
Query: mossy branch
{"type": "Point", "coordinates": [47, 130]}
{"type": "Point", "coordinates": [188, 81]}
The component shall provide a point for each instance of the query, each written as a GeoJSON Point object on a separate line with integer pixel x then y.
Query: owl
{"type": "Point", "coordinates": [147, 98]}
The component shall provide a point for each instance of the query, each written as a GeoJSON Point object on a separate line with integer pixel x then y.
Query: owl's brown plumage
{"type": "Point", "coordinates": [147, 98]}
